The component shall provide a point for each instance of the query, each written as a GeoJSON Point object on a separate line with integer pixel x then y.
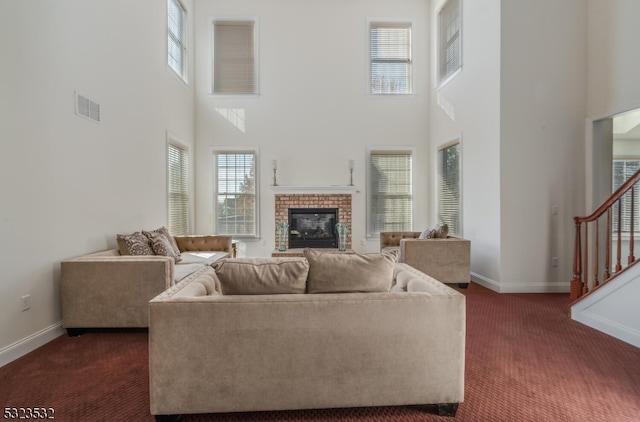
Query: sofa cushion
{"type": "Point", "coordinates": [336, 272]}
{"type": "Point", "coordinates": [262, 276]}
{"type": "Point", "coordinates": [134, 244]}
{"type": "Point", "coordinates": [204, 258]}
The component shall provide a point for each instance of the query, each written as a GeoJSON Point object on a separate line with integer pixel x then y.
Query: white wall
{"type": "Point", "coordinates": [613, 83]}
{"type": "Point", "coordinates": [313, 113]}
{"type": "Point", "coordinates": [542, 140]}
{"type": "Point", "coordinates": [518, 105]}
{"type": "Point", "coordinates": [471, 112]}
{"type": "Point", "coordinates": [70, 184]}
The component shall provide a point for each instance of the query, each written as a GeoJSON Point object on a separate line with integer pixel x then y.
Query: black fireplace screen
{"type": "Point", "coordinates": [313, 227]}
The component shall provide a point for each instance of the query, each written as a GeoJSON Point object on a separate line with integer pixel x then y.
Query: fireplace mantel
{"type": "Point", "coordinates": [314, 189]}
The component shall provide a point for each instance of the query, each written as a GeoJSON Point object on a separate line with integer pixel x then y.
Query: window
{"type": "Point", "coordinates": [176, 39]}
{"type": "Point", "coordinates": [449, 188]}
{"type": "Point", "coordinates": [234, 63]}
{"type": "Point", "coordinates": [235, 193]}
{"type": "Point", "coordinates": [178, 190]}
{"type": "Point", "coordinates": [450, 52]}
{"type": "Point", "coordinates": [390, 54]}
{"type": "Point", "coordinates": [622, 171]}
{"type": "Point", "coordinates": [390, 191]}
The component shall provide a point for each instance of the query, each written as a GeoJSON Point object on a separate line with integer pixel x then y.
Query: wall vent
{"type": "Point", "coordinates": [87, 108]}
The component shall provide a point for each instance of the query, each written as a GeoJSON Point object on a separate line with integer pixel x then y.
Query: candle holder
{"type": "Point", "coordinates": [274, 166]}
{"type": "Point", "coordinates": [351, 166]}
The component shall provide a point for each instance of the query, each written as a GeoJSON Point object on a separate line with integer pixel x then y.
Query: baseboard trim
{"type": "Point", "coordinates": [28, 344]}
{"type": "Point", "coordinates": [485, 282]}
{"type": "Point", "coordinates": [520, 287]}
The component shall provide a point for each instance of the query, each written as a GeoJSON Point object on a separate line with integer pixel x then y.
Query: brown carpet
{"type": "Point", "coordinates": [526, 361]}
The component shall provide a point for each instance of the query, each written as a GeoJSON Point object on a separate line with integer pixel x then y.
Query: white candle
{"type": "Point", "coordinates": [274, 164]}
{"type": "Point", "coordinates": [351, 164]}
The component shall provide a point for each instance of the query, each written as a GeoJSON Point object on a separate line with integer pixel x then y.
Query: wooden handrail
{"type": "Point", "coordinates": [583, 262]}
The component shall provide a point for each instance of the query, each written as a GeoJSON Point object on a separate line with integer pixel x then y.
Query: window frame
{"type": "Point", "coordinates": [256, 58]}
{"type": "Point", "coordinates": [444, 77]}
{"type": "Point", "coordinates": [174, 142]}
{"type": "Point", "coordinates": [181, 41]}
{"type": "Point", "coordinates": [371, 230]}
{"type": "Point", "coordinates": [625, 199]}
{"type": "Point", "coordinates": [215, 151]}
{"type": "Point", "coordinates": [454, 229]}
{"type": "Point", "coordinates": [411, 80]}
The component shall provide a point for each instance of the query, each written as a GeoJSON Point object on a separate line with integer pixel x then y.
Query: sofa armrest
{"type": "Point", "coordinates": [112, 291]}
{"type": "Point", "coordinates": [446, 260]}
{"type": "Point", "coordinates": [204, 243]}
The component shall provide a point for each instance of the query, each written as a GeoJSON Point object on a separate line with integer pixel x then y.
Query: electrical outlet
{"type": "Point", "coordinates": [554, 261]}
{"type": "Point", "coordinates": [26, 302]}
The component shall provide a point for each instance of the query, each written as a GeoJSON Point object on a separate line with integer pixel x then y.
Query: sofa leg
{"type": "Point", "coordinates": [167, 418]}
{"type": "Point", "coordinates": [74, 332]}
{"type": "Point", "coordinates": [447, 409]}
{"type": "Point", "coordinates": [463, 285]}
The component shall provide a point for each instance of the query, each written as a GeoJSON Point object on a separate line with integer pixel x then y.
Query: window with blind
{"type": "Point", "coordinates": [390, 193]}
{"type": "Point", "coordinates": [234, 58]}
{"type": "Point", "coordinates": [390, 57]}
{"type": "Point", "coordinates": [449, 188]}
{"type": "Point", "coordinates": [235, 195]}
{"type": "Point", "coordinates": [450, 42]}
{"type": "Point", "coordinates": [178, 190]}
{"type": "Point", "coordinates": [622, 171]}
{"type": "Point", "coordinates": [176, 38]}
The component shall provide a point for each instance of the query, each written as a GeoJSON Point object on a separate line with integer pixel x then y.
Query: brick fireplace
{"type": "Point", "coordinates": [340, 201]}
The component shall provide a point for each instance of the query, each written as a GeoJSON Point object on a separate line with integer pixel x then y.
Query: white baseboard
{"type": "Point", "coordinates": [485, 282]}
{"type": "Point", "coordinates": [30, 343]}
{"type": "Point", "coordinates": [563, 287]}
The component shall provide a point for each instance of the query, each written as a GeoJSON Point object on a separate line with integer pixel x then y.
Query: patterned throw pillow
{"type": "Point", "coordinates": [442, 231]}
{"type": "Point", "coordinates": [164, 232]}
{"type": "Point", "coordinates": [136, 243]}
{"type": "Point", "coordinates": [427, 234]}
{"type": "Point", "coordinates": [162, 245]}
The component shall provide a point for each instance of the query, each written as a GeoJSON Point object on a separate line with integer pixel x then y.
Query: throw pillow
{"type": "Point", "coordinates": [164, 232]}
{"type": "Point", "coordinates": [427, 234]}
{"type": "Point", "coordinates": [161, 246]}
{"type": "Point", "coordinates": [262, 276]}
{"type": "Point", "coordinates": [442, 231]}
{"type": "Point", "coordinates": [136, 243]}
{"type": "Point", "coordinates": [336, 272]}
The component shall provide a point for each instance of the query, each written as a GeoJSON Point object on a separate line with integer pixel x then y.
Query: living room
{"type": "Point", "coordinates": [77, 183]}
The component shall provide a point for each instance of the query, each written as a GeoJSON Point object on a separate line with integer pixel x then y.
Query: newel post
{"type": "Point", "coordinates": [577, 284]}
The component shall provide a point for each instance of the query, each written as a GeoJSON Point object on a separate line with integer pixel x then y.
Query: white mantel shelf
{"type": "Point", "coordinates": [337, 189]}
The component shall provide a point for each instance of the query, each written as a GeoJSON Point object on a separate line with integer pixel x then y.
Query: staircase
{"type": "Point", "coordinates": [605, 288]}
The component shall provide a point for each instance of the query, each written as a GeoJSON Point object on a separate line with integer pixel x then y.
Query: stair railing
{"type": "Point", "coordinates": [591, 270]}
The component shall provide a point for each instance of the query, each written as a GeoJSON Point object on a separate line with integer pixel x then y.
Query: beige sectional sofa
{"type": "Point", "coordinates": [331, 330]}
{"type": "Point", "coordinates": [447, 260]}
{"type": "Point", "coordinates": [108, 289]}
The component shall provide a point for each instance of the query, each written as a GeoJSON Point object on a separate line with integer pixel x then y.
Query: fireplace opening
{"type": "Point", "coordinates": [313, 227]}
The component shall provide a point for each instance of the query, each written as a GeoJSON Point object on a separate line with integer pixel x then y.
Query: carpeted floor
{"type": "Point", "coordinates": [526, 361]}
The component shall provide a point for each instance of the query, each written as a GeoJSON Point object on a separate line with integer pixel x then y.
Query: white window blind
{"type": "Point", "coordinates": [236, 211]}
{"type": "Point", "coordinates": [390, 58]}
{"type": "Point", "coordinates": [450, 41]}
{"type": "Point", "coordinates": [622, 171]}
{"type": "Point", "coordinates": [390, 192]}
{"type": "Point", "coordinates": [176, 44]}
{"type": "Point", "coordinates": [234, 65]}
{"type": "Point", "coordinates": [178, 186]}
{"type": "Point", "coordinates": [449, 188]}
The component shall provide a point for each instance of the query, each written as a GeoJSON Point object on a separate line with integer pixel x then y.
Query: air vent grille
{"type": "Point", "coordinates": [87, 108]}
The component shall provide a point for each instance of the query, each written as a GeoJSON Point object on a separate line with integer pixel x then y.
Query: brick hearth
{"type": "Point", "coordinates": [340, 201]}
